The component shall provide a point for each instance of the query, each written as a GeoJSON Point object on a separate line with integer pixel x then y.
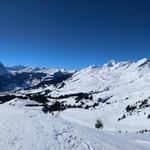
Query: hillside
{"type": "Point", "coordinates": [117, 93]}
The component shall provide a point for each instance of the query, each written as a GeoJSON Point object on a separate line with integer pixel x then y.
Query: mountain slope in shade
{"type": "Point", "coordinates": [3, 70]}
{"type": "Point", "coordinates": [20, 77]}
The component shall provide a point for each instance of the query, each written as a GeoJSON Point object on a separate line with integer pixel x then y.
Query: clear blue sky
{"type": "Point", "coordinates": [73, 33]}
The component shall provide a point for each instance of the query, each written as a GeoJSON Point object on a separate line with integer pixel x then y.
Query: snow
{"type": "Point", "coordinates": [25, 128]}
{"type": "Point", "coordinates": [121, 83]}
{"type": "Point", "coordinates": [127, 84]}
{"type": "Point", "coordinates": [109, 117]}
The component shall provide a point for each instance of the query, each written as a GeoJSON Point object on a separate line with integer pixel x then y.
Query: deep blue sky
{"type": "Point", "coordinates": [73, 33]}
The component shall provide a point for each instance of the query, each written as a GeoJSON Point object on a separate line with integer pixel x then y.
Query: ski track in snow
{"type": "Point", "coordinates": [26, 129]}
{"type": "Point", "coordinates": [38, 132]}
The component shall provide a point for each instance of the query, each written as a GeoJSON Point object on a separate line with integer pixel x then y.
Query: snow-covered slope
{"type": "Point", "coordinates": [109, 76]}
{"type": "Point", "coordinates": [120, 92]}
{"type": "Point", "coordinates": [117, 88]}
{"type": "Point", "coordinates": [25, 129]}
{"type": "Point", "coordinates": [117, 93]}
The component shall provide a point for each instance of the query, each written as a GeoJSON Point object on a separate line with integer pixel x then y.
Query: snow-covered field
{"type": "Point", "coordinates": [23, 128]}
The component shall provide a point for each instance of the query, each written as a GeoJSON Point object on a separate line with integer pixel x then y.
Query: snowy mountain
{"type": "Point", "coordinates": [61, 107]}
{"type": "Point", "coordinates": [21, 77]}
{"type": "Point", "coordinates": [3, 70]}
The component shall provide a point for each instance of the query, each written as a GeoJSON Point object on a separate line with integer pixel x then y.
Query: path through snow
{"type": "Point", "coordinates": [26, 129]}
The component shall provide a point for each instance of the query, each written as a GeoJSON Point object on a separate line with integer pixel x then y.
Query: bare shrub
{"type": "Point", "coordinates": [99, 124]}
